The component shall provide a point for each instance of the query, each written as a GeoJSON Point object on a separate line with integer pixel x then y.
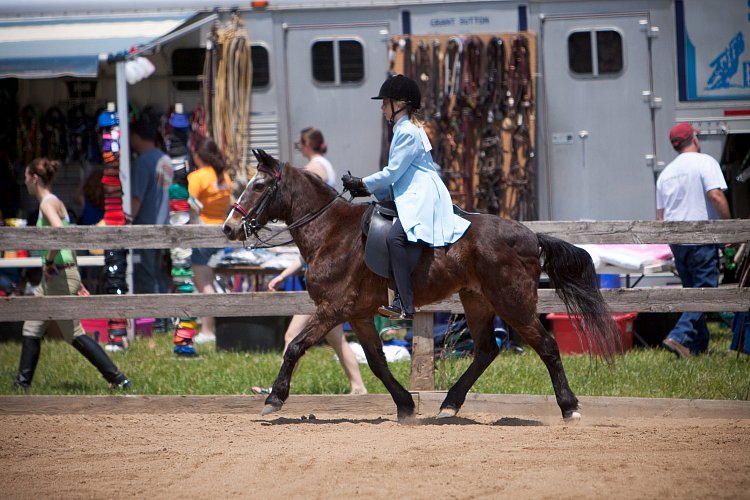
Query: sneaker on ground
{"type": "Point", "coordinates": [204, 338]}
{"type": "Point", "coordinates": [114, 348]}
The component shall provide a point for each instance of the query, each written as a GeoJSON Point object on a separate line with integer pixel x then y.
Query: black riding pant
{"type": "Point", "coordinates": [400, 265]}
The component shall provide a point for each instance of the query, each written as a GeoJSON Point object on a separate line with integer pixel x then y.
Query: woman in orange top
{"type": "Point", "coordinates": [210, 185]}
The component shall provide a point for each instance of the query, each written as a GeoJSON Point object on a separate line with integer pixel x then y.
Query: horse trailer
{"type": "Point", "coordinates": [610, 77]}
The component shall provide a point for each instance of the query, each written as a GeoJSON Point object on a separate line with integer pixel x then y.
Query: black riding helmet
{"type": "Point", "coordinates": [401, 88]}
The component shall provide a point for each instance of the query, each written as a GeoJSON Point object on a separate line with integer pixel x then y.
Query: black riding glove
{"type": "Point", "coordinates": [354, 185]}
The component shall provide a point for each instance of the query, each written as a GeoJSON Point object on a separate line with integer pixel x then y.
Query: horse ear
{"type": "Point", "coordinates": [257, 155]}
{"type": "Point", "coordinates": [267, 159]}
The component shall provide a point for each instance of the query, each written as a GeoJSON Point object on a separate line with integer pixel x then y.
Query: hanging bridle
{"type": "Point", "coordinates": [250, 223]}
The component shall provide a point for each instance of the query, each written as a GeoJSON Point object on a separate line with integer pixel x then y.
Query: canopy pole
{"type": "Point", "coordinates": [122, 114]}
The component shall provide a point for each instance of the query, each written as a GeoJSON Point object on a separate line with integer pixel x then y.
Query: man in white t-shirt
{"type": "Point", "coordinates": [691, 187]}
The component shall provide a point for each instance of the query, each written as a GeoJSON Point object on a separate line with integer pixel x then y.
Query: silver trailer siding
{"type": "Point", "coordinates": [601, 133]}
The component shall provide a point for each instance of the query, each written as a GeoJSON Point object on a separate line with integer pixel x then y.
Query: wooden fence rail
{"type": "Point", "coordinates": [199, 236]}
{"type": "Point", "coordinates": [288, 303]}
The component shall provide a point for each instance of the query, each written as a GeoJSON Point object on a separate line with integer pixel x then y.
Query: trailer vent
{"type": "Point", "coordinates": [263, 132]}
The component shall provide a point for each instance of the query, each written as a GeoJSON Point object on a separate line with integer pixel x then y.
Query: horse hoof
{"type": "Point", "coordinates": [447, 413]}
{"type": "Point", "coordinates": [574, 417]}
{"type": "Point", "coordinates": [410, 419]}
{"type": "Point", "coordinates": [268, 409]}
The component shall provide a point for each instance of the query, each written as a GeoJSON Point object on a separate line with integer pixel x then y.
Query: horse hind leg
{"type": "Point", "coordinates": [373, 348]}
{"type": "Point", "coordinates": [480, 318]}
{"type": "Point", "coordinates": [545, 346]}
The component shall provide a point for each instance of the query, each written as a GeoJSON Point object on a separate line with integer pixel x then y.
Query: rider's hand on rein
{"type": "Point", "coordinates": [354, 185]}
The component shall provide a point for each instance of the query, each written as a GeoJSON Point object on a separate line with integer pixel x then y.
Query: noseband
{"type": "Point", "coordinates": [249, 217]}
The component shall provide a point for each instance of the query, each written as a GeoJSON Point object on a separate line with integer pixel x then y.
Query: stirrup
{"type": "Point", "coordinates": [394, 312]}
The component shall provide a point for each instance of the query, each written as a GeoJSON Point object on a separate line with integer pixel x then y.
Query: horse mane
{"type": "Point", "coordinates": [304, 192]}
{"type": "Point", "coordinates": [314, 178]}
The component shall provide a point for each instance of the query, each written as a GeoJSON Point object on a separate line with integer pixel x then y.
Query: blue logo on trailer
{"type": "Point", "coordinates": [726, 64]}
{"type": "Point", "coordinates": [713, 67]}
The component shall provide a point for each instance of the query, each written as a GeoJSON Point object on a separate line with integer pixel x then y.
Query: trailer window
{"type": "Point", "coordinates": [338, 61]}
{"type": "Point", "coordinates": [187, 67]}
{"type": "Point", "coordinates": [261, 72]}
{"type": "Point", "coordinates": [595, 53]}
{"type": "Point", "coordinates": [322, 62]}
{"type": "Point", "coordinates": [352, 61]}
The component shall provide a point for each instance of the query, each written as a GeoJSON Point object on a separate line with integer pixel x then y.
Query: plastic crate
{"type": "Point", "coordinates": [96, 328]}
{"type": "Point", "coordinates": [567, 337]}
{"type": "Point", "coordinates": [144, 326]}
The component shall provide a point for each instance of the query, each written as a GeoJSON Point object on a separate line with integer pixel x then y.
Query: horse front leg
{"type": "Point", "coordinates": [480, 318]}
{"type": "Point", "coordinates": [373, 348]}
{"type": "Point", "coordinates": [317, 327]}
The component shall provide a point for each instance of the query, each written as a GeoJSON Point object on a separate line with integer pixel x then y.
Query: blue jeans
{"type": "Point", "coordinates": [149, 275]}
{"type": "Point", "coordinates": [698, 267]}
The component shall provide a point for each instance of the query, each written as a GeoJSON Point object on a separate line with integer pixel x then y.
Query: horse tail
{"type": "Point", "coordinates": [573, 275]}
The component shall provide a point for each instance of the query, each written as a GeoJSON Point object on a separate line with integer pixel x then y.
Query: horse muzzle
{"type": "Point", "coordinates": [233, 231]}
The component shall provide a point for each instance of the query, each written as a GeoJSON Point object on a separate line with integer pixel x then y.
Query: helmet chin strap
{"type": "Point", "coordinates": [394, 112]}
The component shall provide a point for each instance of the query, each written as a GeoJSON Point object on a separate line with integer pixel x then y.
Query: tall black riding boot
{"type": "Point", "coordinates": [30, 349]}
{"type": "Point", "coordinates": [401, 269]}
{"type": "Point", "coordinates": [97, 357]}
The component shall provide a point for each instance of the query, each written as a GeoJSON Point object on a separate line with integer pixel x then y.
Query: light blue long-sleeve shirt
{"type": "Point", "coordinates": [424, 204]}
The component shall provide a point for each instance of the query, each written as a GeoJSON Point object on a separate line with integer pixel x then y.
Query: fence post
{"type": "Point", "coordinates": [422, 353]}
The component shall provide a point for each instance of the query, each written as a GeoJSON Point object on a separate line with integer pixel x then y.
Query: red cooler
{"type": "Point", "coordinates": [569, 343]}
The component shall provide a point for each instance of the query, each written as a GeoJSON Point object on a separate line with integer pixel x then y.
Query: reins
{"type": "Point", "coordinates": [249, 219]}
{"type": "Point", "coordinates": [294, 225]}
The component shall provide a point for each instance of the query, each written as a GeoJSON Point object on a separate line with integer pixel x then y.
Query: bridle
{"type": "Point", "coordinates": [249, 220]}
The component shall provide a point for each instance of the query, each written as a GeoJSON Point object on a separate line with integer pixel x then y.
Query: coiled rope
{"type": "Point", "coordinates": [230, 105]}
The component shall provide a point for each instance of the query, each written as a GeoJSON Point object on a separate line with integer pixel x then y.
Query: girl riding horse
{"type": "Point", "coordinates": [494, 268]}
{"type": "Point", "coordinates": [425, 209]}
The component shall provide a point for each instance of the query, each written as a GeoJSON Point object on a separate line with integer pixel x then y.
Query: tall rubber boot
{"type": "Point", "coordinates": [30, 349]}
{"type": "Point", "coordinates": [97, 357]}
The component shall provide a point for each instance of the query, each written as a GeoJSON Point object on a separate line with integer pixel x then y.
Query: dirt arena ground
{"type": "Point", "coordinates": [342, 447]}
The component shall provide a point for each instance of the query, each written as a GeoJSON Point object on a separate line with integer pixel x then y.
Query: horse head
{"type": "Point", "coordinates": [255, 206]}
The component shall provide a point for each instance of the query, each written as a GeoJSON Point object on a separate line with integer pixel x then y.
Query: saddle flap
{"type": "Point", "coordinates": [376, 248]}
{"type": "Point", "coordinates": [376, 223]}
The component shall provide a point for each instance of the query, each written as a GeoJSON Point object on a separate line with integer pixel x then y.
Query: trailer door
{"type": "Point", "coordinates": [598, 127]}
{"type": "Point", "coordinates": [332, 70]}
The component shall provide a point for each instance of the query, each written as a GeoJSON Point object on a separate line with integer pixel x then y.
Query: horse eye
{"type": "Point", "coordinates": [258, 186]}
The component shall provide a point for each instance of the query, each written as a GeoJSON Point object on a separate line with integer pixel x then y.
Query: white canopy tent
{"type": "Point", "coordinates": [64, 45]}
{"type": "Point", "coordinates": [61, 45]}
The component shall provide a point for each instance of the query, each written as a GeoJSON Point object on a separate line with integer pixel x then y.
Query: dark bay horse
{"type": "Point", "coordinates": [495, 269]}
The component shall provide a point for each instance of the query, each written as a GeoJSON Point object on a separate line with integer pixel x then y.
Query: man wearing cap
{"type": "Point", "coordinates": [690, 188]}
